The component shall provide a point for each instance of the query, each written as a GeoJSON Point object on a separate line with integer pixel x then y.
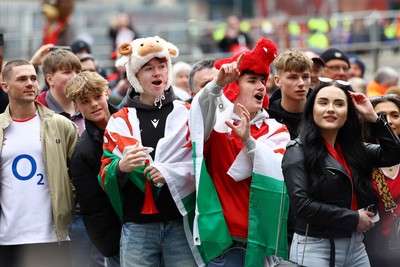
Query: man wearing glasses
{"type": "Point", "coordinates": [337, 64]}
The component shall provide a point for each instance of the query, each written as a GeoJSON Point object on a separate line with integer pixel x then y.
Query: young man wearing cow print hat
{"type": "Point", "coordinates": [147, 167]}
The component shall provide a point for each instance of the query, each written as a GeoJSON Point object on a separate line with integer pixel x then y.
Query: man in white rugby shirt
{"type": "Point", "coordinates": [36, 198]}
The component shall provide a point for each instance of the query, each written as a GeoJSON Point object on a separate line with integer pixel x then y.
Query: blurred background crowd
{"type": "Point", "coordinates": [366, 28]}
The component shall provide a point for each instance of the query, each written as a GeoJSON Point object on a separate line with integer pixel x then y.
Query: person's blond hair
{"type": "Point", "coordinates": [292, 60]}
{"type": "Point", "coordinates": [85, 84]}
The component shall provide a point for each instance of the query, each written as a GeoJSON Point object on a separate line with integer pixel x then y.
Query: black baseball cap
{"type": "Point", "coordinates": [80, 45]}
{"type": "Point", "coordinates": [334, 53]}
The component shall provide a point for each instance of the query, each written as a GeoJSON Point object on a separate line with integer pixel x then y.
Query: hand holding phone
{"type": "Point", "coordinates": [372, 208]}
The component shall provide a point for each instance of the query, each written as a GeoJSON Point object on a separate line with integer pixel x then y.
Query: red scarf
{"type": "Point", "coordinates": [338, 156]}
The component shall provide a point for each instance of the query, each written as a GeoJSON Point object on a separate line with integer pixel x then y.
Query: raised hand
{"type": "Point", "coordinates": [229, 72]}
{"type": "Point", "coordinates": [242, 130]}
{"type": "Point", "coordinates": [38, 58]}
{"type": "Point", "coordinates": [364, 106]}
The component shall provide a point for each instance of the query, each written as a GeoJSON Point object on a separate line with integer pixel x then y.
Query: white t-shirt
{"type": "Point", "coordinates": [26, 213]}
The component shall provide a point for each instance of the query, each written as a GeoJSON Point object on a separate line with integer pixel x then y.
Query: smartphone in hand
{"type": "Point", "coordinates": [60, 47]}
{"type": "Point", "coordinates": [372, 208]}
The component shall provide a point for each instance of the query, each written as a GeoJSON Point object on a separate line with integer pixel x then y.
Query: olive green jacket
{"type": "Point", "coordinates": [58, 136]}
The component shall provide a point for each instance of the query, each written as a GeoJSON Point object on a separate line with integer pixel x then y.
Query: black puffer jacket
{"type": "Point", "coordinates": [99, 217]}
{"type": "Point", "coordinates": [328, 211]}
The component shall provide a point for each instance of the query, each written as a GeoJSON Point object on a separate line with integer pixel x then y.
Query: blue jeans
{"type": "Point", "coordinates": [113, 261]}
{"type": "Point", "coordinates": [83, 252]}
{"type": "Point", "coordinates": [232, 257]}
{"type": "Point", "coordinates": [155, 244]}
{"type": "Point", "coordinates": [349, 252]}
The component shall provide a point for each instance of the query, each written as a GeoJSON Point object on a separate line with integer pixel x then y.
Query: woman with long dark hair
{"type": "Point", "coordinates": [327, 170]}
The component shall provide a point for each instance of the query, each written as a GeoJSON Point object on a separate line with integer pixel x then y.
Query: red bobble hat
{"type": "Point", "coordinates": [257, 60]}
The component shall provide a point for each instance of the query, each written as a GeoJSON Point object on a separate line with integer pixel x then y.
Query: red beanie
{"type": "Point", "coordinates": [257, 60]}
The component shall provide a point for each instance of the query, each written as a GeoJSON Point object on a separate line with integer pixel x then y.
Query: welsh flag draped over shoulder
{"type": "Point", "coordinates": [268, 210]}
{"type": "Point", "coordinates": [267, 192]}
{"type": "Point", "coordinates": [173, 158]}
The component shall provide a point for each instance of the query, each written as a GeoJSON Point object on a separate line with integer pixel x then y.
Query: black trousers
{"type": "Point", "coordinates": [36, 255]}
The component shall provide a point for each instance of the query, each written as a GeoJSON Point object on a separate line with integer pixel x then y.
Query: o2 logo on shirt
{"type": "Point", "coordinates": [32, 172]}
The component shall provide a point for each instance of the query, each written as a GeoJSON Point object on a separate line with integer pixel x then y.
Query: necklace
{"type": "Point", "coordinates": [391, 169]}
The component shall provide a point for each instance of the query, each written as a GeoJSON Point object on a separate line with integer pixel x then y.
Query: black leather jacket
{"type": "Point", "coordinates": [328, 211]}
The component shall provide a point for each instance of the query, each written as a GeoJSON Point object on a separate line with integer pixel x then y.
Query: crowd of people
{"type": "Point", "coordinates": [245, 160]}
{"type": "Point", "coordinates": [355, 32]}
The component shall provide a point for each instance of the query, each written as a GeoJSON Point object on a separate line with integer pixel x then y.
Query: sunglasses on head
{"type": "Point", "coordinates": [387, 96]}
{"type": "Point", "coordinates": [332, 81]}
